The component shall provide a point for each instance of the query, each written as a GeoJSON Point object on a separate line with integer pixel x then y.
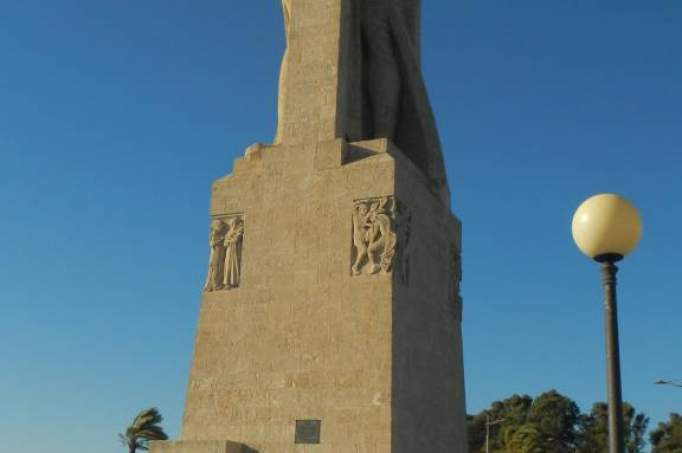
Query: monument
{"type": "Point", "coordinates": [330, 318]}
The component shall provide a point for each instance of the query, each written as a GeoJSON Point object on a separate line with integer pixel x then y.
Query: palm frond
{"type": "Point", "coordinates": [123, 439]}
{"type": "Point", "coordinates": [147, 417]}
{"type": "Point", "coordinates": [152, 433]}
{"type": "Point", "coordinates": [145, 427]}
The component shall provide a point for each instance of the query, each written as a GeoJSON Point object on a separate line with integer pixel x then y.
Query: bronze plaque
{"type": "Point", "coordinates": [308, 431]}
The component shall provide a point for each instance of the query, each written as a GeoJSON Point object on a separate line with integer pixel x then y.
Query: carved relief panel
{"type": "Point", "coordinates": [225, 242]}
{"type": "Point", "coordinates": [381, 237]}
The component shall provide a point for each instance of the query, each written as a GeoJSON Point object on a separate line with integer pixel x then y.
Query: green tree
{"type": "Point", "coordinates": [595, 429]}
{"type": "Point", "coordinates": [475, 432]}
{"type": "Point", "coordinates": [523, 439]}
{"type": "Point", "coordinates": [513, 412]}
{"type": "Point", "coordinates": [553, 423]}
{"type": "Point", "coordinates": [546, 423]}
{"type": "Point", "coordinates": [636, 425]}
{"type": "Point", "coordinates": [557, 419]}
{"type": "Point", "coordinates": [667, 437]}
{"type": "Point", "coordinates": [144, 428]}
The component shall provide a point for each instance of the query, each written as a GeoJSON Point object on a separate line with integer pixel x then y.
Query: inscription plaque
{"type": "Point", "coordinates": [308, 431]}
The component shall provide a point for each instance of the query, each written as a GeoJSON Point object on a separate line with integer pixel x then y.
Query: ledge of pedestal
{"type": "Point", "coordinates": [199, 446]}
{"type": "Point", "coordinates": [252, 160]}
{"type": "Point", "coordinates": [367, 149]}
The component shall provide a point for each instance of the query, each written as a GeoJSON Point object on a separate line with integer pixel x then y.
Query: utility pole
{"type": "Point", "coordinates": [488, 424]}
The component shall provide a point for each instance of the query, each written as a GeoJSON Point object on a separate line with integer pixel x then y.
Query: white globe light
{"type": "Point", "coordinates": [606, 226]}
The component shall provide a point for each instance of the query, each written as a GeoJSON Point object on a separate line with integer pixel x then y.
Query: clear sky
{"type": "Point", "coordinates": [115, 116]}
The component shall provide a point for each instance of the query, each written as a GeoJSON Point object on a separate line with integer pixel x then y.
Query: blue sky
{"type": "Point", "coordinates": [116, 116]}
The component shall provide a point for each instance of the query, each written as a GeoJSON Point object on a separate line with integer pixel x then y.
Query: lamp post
{"type": "Point", "coordinates": [606, 227]}
{"type": "Point", "coordinates": [664, 382]}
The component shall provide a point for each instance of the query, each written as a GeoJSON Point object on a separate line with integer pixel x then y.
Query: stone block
{"type": "Point", "coordinates": [199, 446]}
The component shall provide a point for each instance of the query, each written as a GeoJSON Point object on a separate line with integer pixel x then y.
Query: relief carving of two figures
{"type": "Point", "coordinates": [224, 267]}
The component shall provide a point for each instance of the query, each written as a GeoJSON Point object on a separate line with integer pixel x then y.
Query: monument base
{"type": "Point", "coordinates": [199, 446]}
{"type": "Point", "coordinates": [365, 349]}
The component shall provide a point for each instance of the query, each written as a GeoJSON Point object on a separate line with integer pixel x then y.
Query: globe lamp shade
{"type": "Point", "coordinates": [606, 227]}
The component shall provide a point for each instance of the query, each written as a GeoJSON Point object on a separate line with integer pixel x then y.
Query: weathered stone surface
{"type": "Point", "coordinates": [372, 356]}
{"type": "Point", "coordinates": [346, 305]}
{"type": "Point", "coordinates": [206, 446]}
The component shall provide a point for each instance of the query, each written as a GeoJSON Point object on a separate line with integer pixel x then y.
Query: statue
{"type": "Point", "coordinates": [214, 280]}
{"type": "Point", "coordinates": [378, 22]}
{"type": "Point", "coordinates": [380, 90]}
{"type": "Point", "coordinates": [382, 22]}
{"type": "Point", "coordinates": [233, 252]}
{"type": "Point", "coordinates": [360, 218]}
{"type": "Point", "coordinates": [281, 101]}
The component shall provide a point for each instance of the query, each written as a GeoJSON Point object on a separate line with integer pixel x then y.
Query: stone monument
{"type": "Point", "coordinates": [331, 318]}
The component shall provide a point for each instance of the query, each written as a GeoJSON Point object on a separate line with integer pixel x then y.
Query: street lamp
{"type": "Point", "coordinates": [664, 382]}
{"type": "Point", "coordinates": [606, 227]}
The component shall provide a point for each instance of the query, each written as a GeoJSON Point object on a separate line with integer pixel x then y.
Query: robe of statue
{"type": "Point", "coordinates": [233, 245]}
{"type": "Point", "coordinates": [382, 24]}
{"type": "Point", "coordinates": [377, 22]}
{"type": "Point", "coordinates": [216, 261]}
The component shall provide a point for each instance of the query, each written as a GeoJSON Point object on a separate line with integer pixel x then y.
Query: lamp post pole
{"type": "Point", "coordinates": [615, 396]}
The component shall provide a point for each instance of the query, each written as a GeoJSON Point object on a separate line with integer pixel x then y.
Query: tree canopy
{"type": "Point", "coordinates": [667, 437]}
{"type": "Point", "coordinates": [551, 422]}
{"type": "Point", "coordinates": [595, 429]}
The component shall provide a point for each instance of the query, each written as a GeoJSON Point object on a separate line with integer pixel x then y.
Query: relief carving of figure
{"type": "Point", "coordinates": [233, 252]}
{"type": "Point", "coordinates": [374, 236]}
{"type": "Point", "coordinates": [214, 280]}
{"type": "Point", "coordinates": [224, 264]}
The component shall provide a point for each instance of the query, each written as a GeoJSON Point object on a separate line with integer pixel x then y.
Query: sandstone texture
{"type": "Point", "coordinates": [332, 292]}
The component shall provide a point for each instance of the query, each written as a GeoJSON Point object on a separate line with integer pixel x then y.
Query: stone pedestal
{"type": "Point", "coordinates": [376, 357]}
{"type": "Point", "coordinates": [331, 316]}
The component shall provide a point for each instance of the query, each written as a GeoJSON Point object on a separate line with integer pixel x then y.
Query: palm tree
{"type": "Point", "coordinates": [144, 428]}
